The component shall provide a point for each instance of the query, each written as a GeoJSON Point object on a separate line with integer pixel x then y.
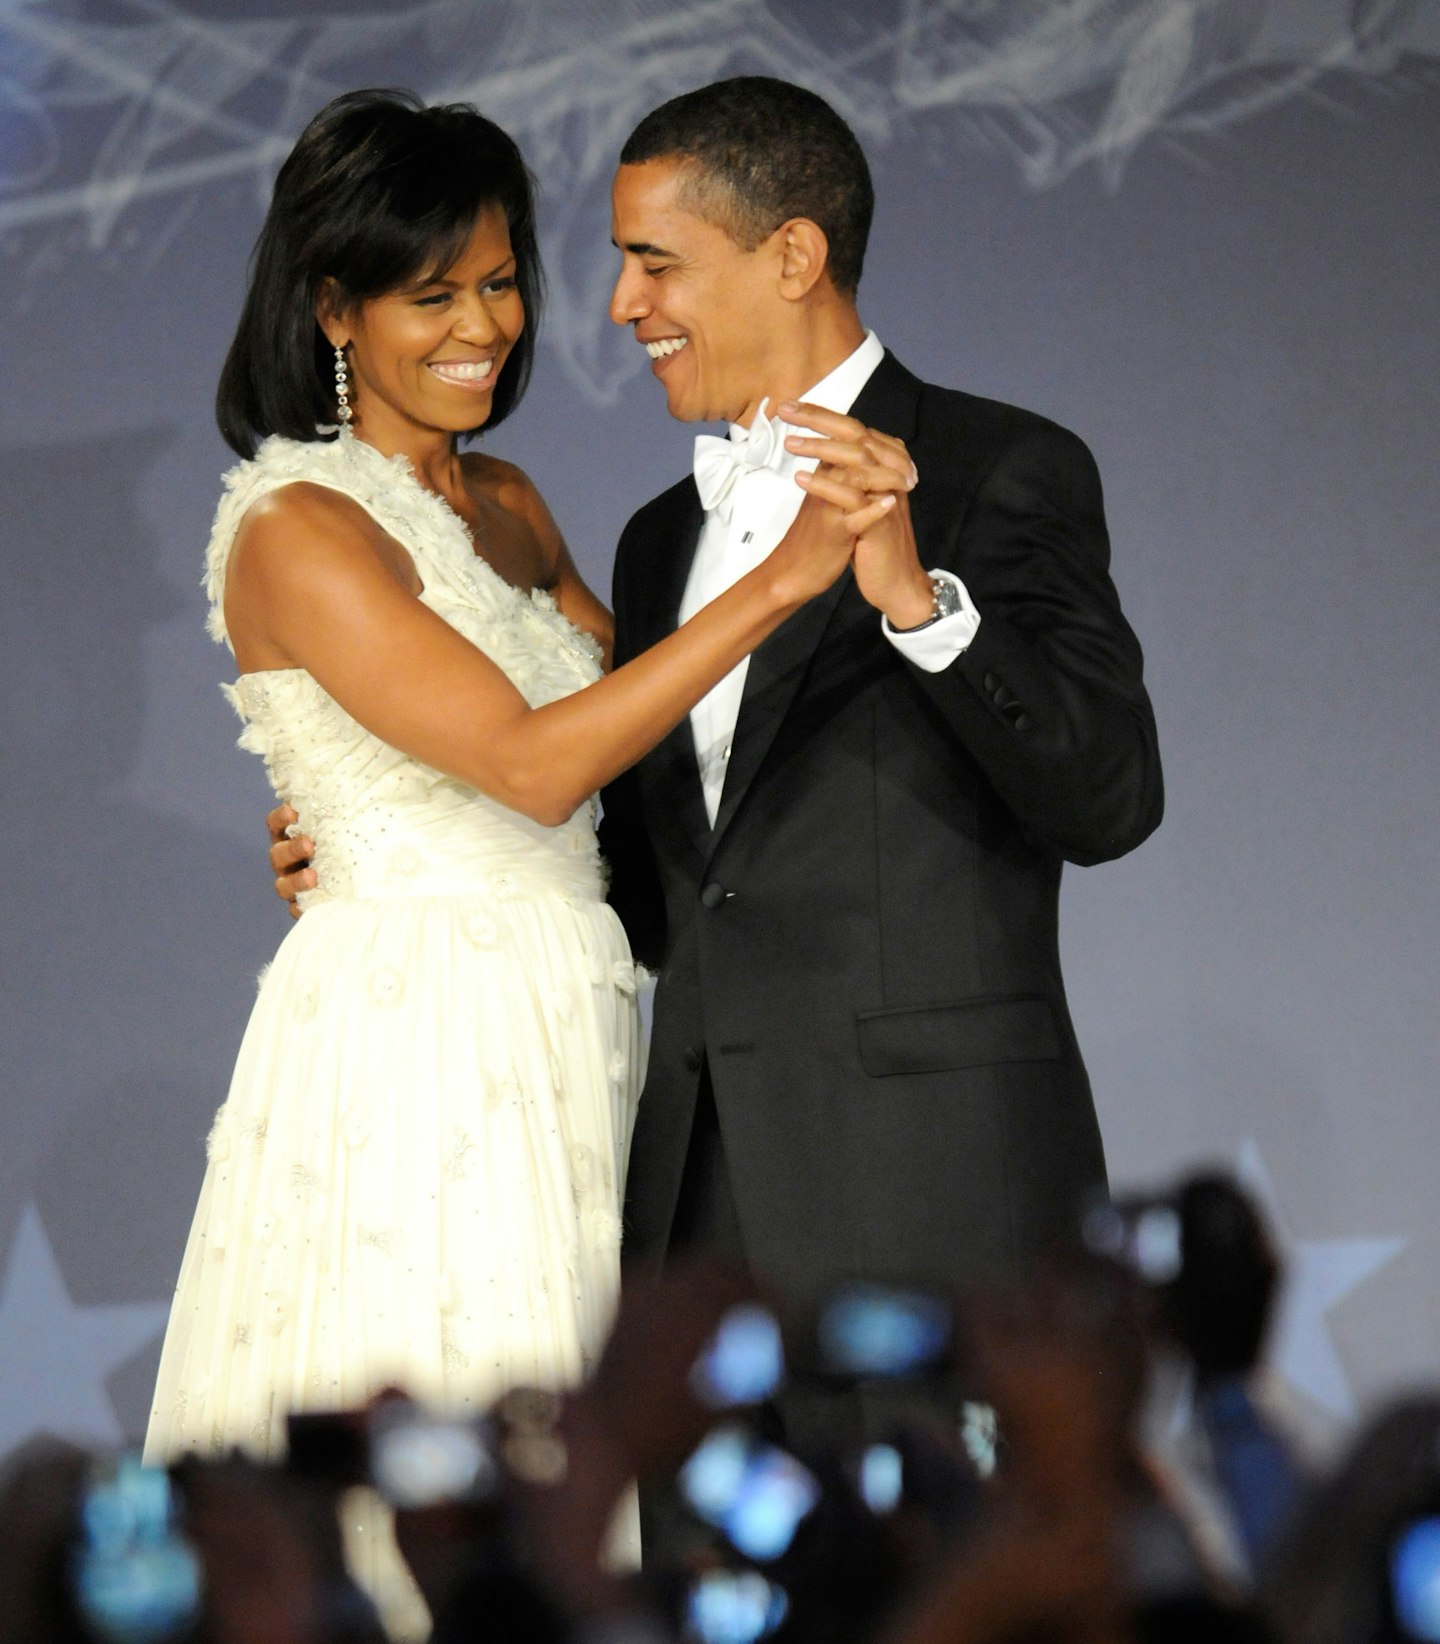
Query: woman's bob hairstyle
{"type": "Point", "coordinates": [378, 191]}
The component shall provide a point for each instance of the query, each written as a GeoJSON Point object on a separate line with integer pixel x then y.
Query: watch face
{"type": "Point", "coordinates": [947, 597]}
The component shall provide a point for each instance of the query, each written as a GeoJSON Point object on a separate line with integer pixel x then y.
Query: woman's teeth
{"type": "Point", "coordinates": [665, 345]}
{"type": "Point", "coordinates": [469, 372]}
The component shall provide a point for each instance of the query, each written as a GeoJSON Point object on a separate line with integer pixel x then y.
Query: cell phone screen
{"type": "Point", "coordinates": [867, 1330]}
{"type": "Point", "coordinates": [329, 1447]}
{"type": "Point", "coordinates": [881, 1478]}
{"type": "Point", "coordinates": [417, 1460]}
{"type": "Point", "coordinates": [756, 1494]}
{"type": "Point", "coordinates": [136, 1578]}
{"type": "Point", "coordinates": [733, 1607]}
{"type": "Point", "coordinates": [744, 1362]}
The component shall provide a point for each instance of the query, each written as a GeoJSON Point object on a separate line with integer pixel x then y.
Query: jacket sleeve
{"type": "Point", "coordinates": [1049, 698]}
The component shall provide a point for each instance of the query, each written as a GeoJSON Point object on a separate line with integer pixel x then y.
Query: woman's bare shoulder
{"type": "Point", "coordinates": [303, 509]}
{"type": "Point", "coordinates": [304, 529]}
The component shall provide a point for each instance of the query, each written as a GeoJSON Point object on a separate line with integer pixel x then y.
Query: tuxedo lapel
{"type": "Point", "coordinates": [656, 583]}
{"type": "Point", "coordinates": [889, 402]}
{"type": "Point", "coordinates": [776, 668]}
{"type": "Point", "coordinates": [672, 762]}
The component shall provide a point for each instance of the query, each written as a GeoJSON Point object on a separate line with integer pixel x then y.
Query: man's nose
{"type": "Point", "coordinates": [628, 301]}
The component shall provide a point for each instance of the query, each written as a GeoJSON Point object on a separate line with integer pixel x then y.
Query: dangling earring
{"type": "Point", "coordinates": [342, 387]}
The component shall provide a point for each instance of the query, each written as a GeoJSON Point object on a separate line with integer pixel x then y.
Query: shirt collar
{"type": "Point", "coordinates": [840, 388]}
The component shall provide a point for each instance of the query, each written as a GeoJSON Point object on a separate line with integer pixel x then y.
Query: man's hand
{"type": "Point", "coordinates": [887, 564]}
{"type": "Point", "coordinates": [289, 858]}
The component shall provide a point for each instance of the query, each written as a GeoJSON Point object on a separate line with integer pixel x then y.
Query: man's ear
{"type": "Point", "coordinates": [804, 256]}
{"type": "Point", "coordinates": [330, 312]}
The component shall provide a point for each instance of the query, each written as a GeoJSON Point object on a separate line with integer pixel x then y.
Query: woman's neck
{"type": "Point", "coordinates": [430, 452]}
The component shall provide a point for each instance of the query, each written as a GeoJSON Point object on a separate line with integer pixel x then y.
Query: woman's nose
{"type": "Point", "coordinates": [474, 322]}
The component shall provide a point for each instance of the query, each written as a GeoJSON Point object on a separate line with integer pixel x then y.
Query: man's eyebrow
{"type": "Point", "coordinates": [642, 248]}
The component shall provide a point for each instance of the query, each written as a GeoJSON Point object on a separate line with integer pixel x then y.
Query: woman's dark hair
{"type": "Point", "coordinates": [379, 190]}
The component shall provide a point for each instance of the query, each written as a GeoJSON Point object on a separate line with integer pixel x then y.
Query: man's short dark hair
{"type": "Point", "coordinates": [765, 151]}
{"type": "Point", "coordinates": [378, 190]}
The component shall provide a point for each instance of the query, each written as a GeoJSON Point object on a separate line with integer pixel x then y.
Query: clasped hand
{"type": "Point", "coordinates": [866, 475]}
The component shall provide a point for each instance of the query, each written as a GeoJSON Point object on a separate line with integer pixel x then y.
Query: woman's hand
{"type": "Point", "coordinates": [835, 515]}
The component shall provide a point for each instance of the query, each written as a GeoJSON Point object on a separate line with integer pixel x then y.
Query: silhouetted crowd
{"type": "Point", "coordinates": [1088, 1458]}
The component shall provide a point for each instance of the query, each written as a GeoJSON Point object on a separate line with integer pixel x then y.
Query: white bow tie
{"type": "Point", "coordinates": [720, 464]}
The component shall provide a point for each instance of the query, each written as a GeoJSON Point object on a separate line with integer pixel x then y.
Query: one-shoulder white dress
{"type": "Point", "coordinates": [416, 1176]}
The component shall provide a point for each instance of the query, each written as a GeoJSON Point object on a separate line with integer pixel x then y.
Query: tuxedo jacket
{"type": "Point", "coordinates": [863, 948]}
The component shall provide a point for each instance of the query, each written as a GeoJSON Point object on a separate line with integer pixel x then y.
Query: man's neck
{"type": "Point", "coordinates": [814, 355]}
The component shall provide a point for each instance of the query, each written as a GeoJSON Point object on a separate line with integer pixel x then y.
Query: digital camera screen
{"type": "Point", "coordinates": [1148, 1239]}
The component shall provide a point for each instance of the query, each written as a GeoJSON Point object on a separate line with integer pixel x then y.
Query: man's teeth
{"type": "Point", "coordinates": [666, 345]}
{"type": "Point", "coordinates": [464, 370]}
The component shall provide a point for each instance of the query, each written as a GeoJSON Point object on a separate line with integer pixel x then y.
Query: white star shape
{"type": "Point", "coordinates": [1318, 1273]}
{"type": "Point", "coordinates": [55, 1356]}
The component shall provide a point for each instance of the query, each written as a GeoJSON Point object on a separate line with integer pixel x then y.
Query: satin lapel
{"type": "Point", "coordinates": [771, 681]}
{"type": "Point", "coordinates": [889, 402]}
{"type": "Point", "coordinates": [672, 762]}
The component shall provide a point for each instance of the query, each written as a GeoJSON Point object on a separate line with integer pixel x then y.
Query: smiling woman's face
{"type": "Point", "coordinates": [427, 356]}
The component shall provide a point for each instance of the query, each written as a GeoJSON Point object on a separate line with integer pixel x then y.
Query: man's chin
{"type": "Point", "coordinates": [689, 408]}
{"type": "Point", "coordinates": [679, 408]}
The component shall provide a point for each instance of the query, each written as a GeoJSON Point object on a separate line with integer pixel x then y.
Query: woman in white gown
{"type": "Point", "coordinates": [416, 1176]}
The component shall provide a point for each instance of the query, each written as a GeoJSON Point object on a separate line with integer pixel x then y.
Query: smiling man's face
{"type": "Point", "coordinates": [707, 310]}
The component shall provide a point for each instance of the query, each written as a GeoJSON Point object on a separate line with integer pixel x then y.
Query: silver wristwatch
{"type": "Point", "coordinates": [945, 601]}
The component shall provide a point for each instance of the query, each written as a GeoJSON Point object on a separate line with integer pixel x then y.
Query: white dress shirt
{"type": "Point", "coordinates": [761, 507]}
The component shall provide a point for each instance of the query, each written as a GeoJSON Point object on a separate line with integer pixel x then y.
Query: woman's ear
{"type": "Point", "coordinates": [330, 309]}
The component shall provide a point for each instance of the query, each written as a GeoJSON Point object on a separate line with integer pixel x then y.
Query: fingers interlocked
{"type": "Point", "coordinates": [861, 460]}
{"type": "Point", "coordinates": [860, 508]}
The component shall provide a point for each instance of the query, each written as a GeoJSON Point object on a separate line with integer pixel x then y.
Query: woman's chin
{"type": "Point", "coordinates": [471, 418]}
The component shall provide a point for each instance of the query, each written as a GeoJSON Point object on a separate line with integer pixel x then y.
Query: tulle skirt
{"type": "Point", "coordinates": [416, 1177]}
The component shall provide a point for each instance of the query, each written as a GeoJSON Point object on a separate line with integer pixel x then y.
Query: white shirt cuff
{"type": "Point", "coordinates": [935, 646]}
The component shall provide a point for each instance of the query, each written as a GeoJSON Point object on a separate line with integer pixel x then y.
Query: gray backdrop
{"type": "Point", "coordinates": [1200, 232]}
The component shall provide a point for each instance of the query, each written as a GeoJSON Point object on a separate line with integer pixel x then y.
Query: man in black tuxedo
{"type": "Point", "coordinates": [846, 865]}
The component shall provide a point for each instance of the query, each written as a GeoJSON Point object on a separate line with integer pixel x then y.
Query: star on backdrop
{"type": "Point", "coordinates": [55, 1355]}
{"type": "Point", "coordinates": [1318, 1273]}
